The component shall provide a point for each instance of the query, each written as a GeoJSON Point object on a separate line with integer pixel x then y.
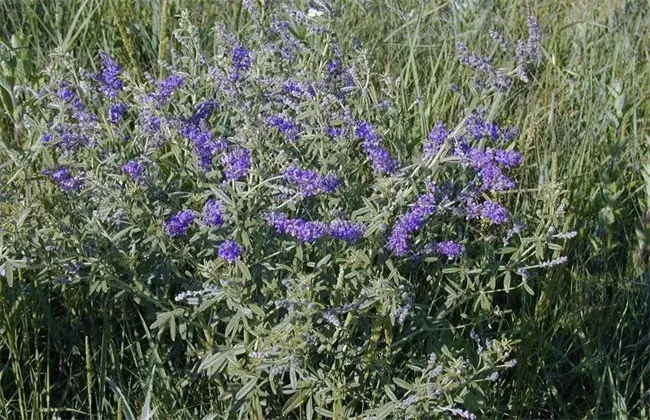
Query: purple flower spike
{"type": "Point", "coordinates": [346, 230]}
{"type": "Point", "coordinates": [135, 170]}
{"type": "Point", "coordinates": [334, 132]}
{"type": "Point", "coordinates": [508, 158]}
{"type": "Point", "coordinates": [229, 250]}
{"type": "Point", "coordinates": [450, 249]}
{"type": "Point", "coordinates": [494, 212]}
{"type": "Point", "coordinates": [303, 230]}
{"type": "Point", "coordinates": [116, 111]}
{"type": "Point", "coordinates": [204, 146]}
{"type": "Point", "coordinates": [411, 222]}
{"type": "Point", "coordinates": [435, 140]}
{"type": "Point", "coordinates": [241, 62]}
{"type": "Point", "coordinates": [166, 88]}
{"type": "Point", "coordinates": [379, 157]}
{"type": "Point", "coordinates": [64, 179]}
{"type": "Point", "coordinates": [288, 129]}
{"type": "Point", "coordinates": [236, 164]}
{"type": "Point", "coordinates": [309, 183]}
{"type": "Point", "coordinates": [213, 213]}
{"type": "Point", "coordinates": [178, 224]}
{"type": "Point", "coordinates": [108, 78]}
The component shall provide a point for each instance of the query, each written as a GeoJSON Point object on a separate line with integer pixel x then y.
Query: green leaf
{"type": "Point", "coordinates": [296, 400]}
{"type": "Point", "coordinates": [246, 389]}
{"type": "Point", "coordinates": [385, 411]}
{"type": "Point", "coordinates": [528, 289]}
{"type": "Point", "coordinates": [403, 384]}
{"type": "Point", "coordinates": [213, 362]}
{"type": "Point", "coordinates": [231, 328]}
{"type": "Point", "coordinates": [9, 274]}
{"type": "Point", "coordinates": [390, 393]}
{"type": "Point", "coordinates": [161, 318]}
{"type": "Point", "coordinates": [243, 269]}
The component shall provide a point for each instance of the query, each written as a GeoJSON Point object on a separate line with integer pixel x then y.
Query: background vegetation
{"type": "Point", "coordinates": [583, 345]}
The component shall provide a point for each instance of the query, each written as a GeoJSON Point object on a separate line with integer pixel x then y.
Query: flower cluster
{"type": "Point", "coordinates": [346, 230]}
{"type": "Point", "coordinates": [236, 163]}
{"type": "Point", "coordinates": [309, 182]}
{"type": "Point", "coordinates": [110, 84]}
{"type": "Point", "coordinates": [165, 89]}
{"type": "Point", "coordinates": [310, 231]}
{"type": "Point", "coordinates": [436, 139]}
{"type": "Point", "coordinates": [229, 250]}
{"type": "Point", "coordinates": [241, 62]}
{"type": "Point", "coordinates": [116, 111]}
{"type": "Point", "coordinates": [285, 126]}
{"type": "Point", "coordinates": [213, 213]}
{"type": "Point", "coordinates": [381, 160]}
{"type": "Point", "coordinates": [178, 224]}
{"type": "Point", "coordinates": [204, 146]}
{"type": "Point", "coordinates": [303, 230]}
{"type": "Point", "coordinates": [64, 179]}
{"type": "Point", "coordinates": [135, 170]}
{"type": "Point", "coordinates": [450, 249]}
{"type": "Point", "coordinates": [411, 222]}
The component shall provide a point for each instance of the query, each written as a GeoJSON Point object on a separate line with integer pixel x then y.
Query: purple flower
{"type": "Point", "coordinates": [288, 129]}
{"type": "Point", "coordinates": [492, 130]}
{"type": "Point", "coordinates": [507, 158]}
{"type": "Point", "coordinates": [178, 224]}
{"type": "Point", "coordinates": [334, 132]}
{"type": "Point", "coordinates": [213, 213]}
{"type": "Point", "coordinates": [236, 164]}
{"type": "Point", "coordinates": [494, 212]}
{"type": "Point", "coordinates": [204, 147]}
{"type": "Point", "coordinates": [346, 230]}
{"type": "Point", "coordinates": [229, 250]}
{"type": "Point", "coordinates": [292, 88]}
{"type": "Point", "coordinates": [379, 157]}
{"type": "Point", "coordinates": [308, 182]}
{"type": "Point", "coordinates": [151, 124]}
{"type": "Point", "coordinates": [486, 163]}
{"type": "Point", "coordinates": [241, 62]}
{"type": "Point", "coordinates": [64, 179]}
{"type": "Point", "coordinates": [410, 222]}
{"type": "Point", "coordinates": [476, 125]}
{"type": "Point", "coordinates": [108, 78]}
{"type": "Point", "coordinates": [115, 112]}
{"type": "Point", "coordinates": [534, 49]}
{"type": "Point", "coordinates": [203, 110]}
{"type": "Point", "coordinates": [68, 95]}
{"type": "Point", "coordinates": [435, 140]}
{"type": "Point", "coordinates": [450, 249]}
{"type": "Point", "coordinates": [73, 136]}
{"type": "Point", "coordinates": [334, 67]}
{"type": "Point", "coordinates": [510, 134]}
{"type": "Point", "coordinates": [166, 88]}
{"type": "Point", "coordinates": [65, 93]}
{"type": "Point", "coordinates": [135, 170]}
{"type": "Point", "coordinates": [303, 230]}
{"type": "Point", "coordinates": [499, 39]}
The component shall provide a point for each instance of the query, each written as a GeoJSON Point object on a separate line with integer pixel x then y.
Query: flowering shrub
{"type": "Point", "coordinates": [256, 211]}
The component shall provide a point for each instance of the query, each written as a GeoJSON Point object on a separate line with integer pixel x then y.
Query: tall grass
{"type": "Point", "coordinates": [584, 336]}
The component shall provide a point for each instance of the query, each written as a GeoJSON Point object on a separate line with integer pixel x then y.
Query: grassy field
{"type": "Point", "coordinates": [582, 338]}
